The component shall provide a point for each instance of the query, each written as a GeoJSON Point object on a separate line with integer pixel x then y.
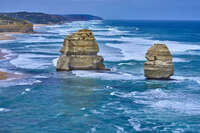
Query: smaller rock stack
{"type": "Point", "coordinates": [79, 52]}
{"type": "Point", "coordinates": [159, 63]}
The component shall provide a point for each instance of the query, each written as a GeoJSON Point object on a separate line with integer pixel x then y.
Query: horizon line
{"type": "Point", "coordinates": [125, 19]}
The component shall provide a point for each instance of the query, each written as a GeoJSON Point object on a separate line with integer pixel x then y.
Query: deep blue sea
{"type": "Point", "coordinates": [119, 101]}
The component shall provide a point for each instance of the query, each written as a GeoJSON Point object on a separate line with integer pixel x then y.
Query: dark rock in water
{"type": "Point", "coordinates": [79, 52]}
{"type": "Point", "coordinates": [8, 24]}
{"type": "Point", "coordinates": [159, 63]}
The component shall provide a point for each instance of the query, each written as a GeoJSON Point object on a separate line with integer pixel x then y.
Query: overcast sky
{"type": "Point", "coordinates": [111, 9]}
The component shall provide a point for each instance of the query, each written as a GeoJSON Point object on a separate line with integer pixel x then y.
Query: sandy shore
{"type": "Point", "coordinates": [39, 25]}
{"type": "Point", "coordinates": [5, 75]}
{"type": "Point", "coordinates": [6, 36]}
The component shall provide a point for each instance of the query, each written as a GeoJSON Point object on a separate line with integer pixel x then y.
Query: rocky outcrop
{"type": "Point", "coordinates": [159, 63]}
{"type": "Point", "coordinates": [8, 24]}
{"type": "Point", "coordinates": [79, 52]}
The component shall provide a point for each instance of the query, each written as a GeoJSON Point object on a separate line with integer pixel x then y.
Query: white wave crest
{"type": "Point", "coordinates": [54, 61]}
{"type": "Point", "coordinates": [38, 39]}
{"type": "Point", "coordinates": [182, 78]}
{"type": "Point", "coordinates": [160, 99]}
{"type": "Point", "coordinates": [31, 61]}
{"type": "Point", "coordinates": [4, 110]}
{"type": "Point", "coordinates": [135, 48]}
{"type": "Point", "coordinates": [105, 75]}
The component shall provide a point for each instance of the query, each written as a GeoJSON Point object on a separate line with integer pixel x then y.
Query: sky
{"type": "Point", "coordinates": [111, 9]}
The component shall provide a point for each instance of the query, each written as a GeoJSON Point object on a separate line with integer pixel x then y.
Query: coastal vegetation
{"type": "Point", "coordinates": [23, 21]}
{"type": "Point", "coordinates": [9, 24]}
{"type": "Point", "coordinates": [43, 18]}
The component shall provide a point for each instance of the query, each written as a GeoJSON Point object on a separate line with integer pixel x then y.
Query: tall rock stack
{"type": "Point", "coordinates": [159, 63]}
{"type": "Point", "coordinates": [79, 52]}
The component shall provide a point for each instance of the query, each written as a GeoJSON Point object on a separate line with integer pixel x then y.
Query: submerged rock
{"type": "Point", "coordinates": [79, 52]}
{"type": "Point", "coordinates": [159, 63]}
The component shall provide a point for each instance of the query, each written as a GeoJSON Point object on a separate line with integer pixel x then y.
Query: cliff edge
{"type": "Point", "coordinates": [8, 24]}
{"type": "Point", "coordinates": [44, 18]}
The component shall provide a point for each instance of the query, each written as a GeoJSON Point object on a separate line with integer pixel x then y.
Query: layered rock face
{"type": "Point", "coordinates": [8, 24]}
{"type": "Point", "coordinates": [159, 63]}
{"type": "Point", "coordinates": [79, 52]}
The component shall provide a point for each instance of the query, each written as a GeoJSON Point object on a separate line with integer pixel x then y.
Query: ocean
{"type": "Point", "coordinates": [116, 101]}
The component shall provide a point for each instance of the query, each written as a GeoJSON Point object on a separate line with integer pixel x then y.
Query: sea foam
{"type": "Point", "coordinates": [105, 75]}
{"type": "Point", "coordinates": [39, 39]}
{"type": "Point", "coordinates": [162, 100]}
{"type": "Point", "coordinates": [54, 61]}
{"type": "Point", "coordinates": [4, 110]}
{"type": "Point", "coordinates": [31, 61]}
{"type": "Point", "coordinates": [136, 48]}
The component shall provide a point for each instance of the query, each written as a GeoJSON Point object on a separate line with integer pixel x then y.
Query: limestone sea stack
{"type": "Point", "coordinates": [79, 52]}
{"type": "Point", "coordinates": [159, 63]}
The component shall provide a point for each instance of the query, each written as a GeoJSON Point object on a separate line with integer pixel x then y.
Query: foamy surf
{"type": "Point", "coordinates": [39, 39]}
{"type": "Point", "coordinates": [105, 75]}
{"type": "Point", "coordinates": [4, 110]}
{"type": "Point", "coordinates": [136, 48]}
{"type": "Point", "coordinates": [19, 82]}
{"type": "Point", "coordinates": [185, 78]}
{"type": "Point", "coordinates": [54, 61]}
{"type": "Point", "coordinates": [160, 99]}
{"type": "Point", "coordinates": [139, 105]}
{"type": "Point", "coordinates": [111, 32]}
{"type": "Point", "coordinates": [8, 54]}
{"type": "Point", "coordinates": [31, 61]}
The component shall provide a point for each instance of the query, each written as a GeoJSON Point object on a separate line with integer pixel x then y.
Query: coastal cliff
{"type": "Point", "coordinates": [159, 63]}
{"type": "Point", "coordinates": [43, 18]}
{"type": "Point", "coordinates": [79, 52]}
{"type": "Point", "coordinates": [8, 24]}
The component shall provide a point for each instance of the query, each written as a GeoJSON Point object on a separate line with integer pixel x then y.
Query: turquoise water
{"type": "Point", "coordinates": [119, 101]}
